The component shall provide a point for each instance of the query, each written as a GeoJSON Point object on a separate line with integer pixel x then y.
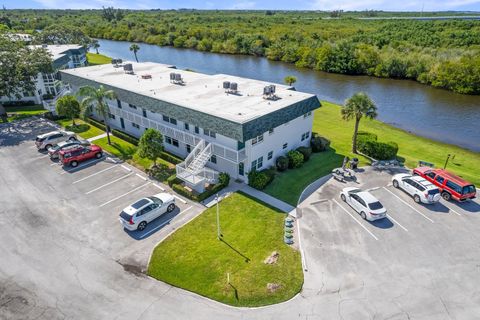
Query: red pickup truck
{"type": "Point", "coordinates": [72, 157]}
{"type": "Point", "coordinates": [450, 185]}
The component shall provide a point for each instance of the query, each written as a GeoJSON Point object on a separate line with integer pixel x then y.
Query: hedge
{"type": "Point", "coordinates": [176, 185]}
{"type": "Point", "coordinates": [295, 159]}
{"type": "Point", "coordinates": [367, 144]}
{"type": "Point", "coordinates": [18, 103]}
{"type": "Point", "coordinates": [282, 163]}
{"type": "Point", "coordinates": [319, 143]}
{"type": "Point", "coordinates": [125, 136]}
{"type": "Point", "coordinates": [260, 179]}
{"type": "Point", "coordinates": [95, 123]}
{"type": "Point", "coordinates": [167, 156]}
{"type": "Point", "coordinates": [306, 151]}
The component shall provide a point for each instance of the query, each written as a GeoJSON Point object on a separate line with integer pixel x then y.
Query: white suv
{"type": "Point", "coordinates": [47, 140]}
{"type": "Point", "coordinates": [145, 210]}
{"type": "Point", "coordinates": [419, 188]}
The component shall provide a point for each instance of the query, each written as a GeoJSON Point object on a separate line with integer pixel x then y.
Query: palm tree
{"type": "Point", "coordinates": [95, 45]}
{"type": "Point", "coordinates": [290, 80]}
{"type": "Point", "coordinates": [134, 47]}
{"type": "Point", "coordinates": [356, 107]}
{"type": "Point", "coordinates": [94, 100]}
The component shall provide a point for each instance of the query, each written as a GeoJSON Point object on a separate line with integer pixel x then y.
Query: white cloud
{"type": "Point", "coordinates": [243, 5]}
{"type": "Point", "coordinates": [428, 5]}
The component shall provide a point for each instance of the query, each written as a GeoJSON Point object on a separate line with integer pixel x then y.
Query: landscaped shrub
{"type": "Point", "coordinates": [25, 103]}
{"type": "Point", "coordinates": [125, 136]}
{"type": "Point", "coordinates": [170, 157]}
{"type": "Point", "coordinates": [295, 159]}
{"type": "Point", "coordinates": [192, 195]}
{"type": "Point", "coordinates": [367, 144]}
{"type": "Point", "coordinates": [306, 151]}
{"type": "Point", "coordinates": [95, 123]}
{"type": "Point", "coordinates": [224, 179]}
{"type": "Point", "coordinates": [161, 172]}
{"type": "Point", "coordinates": [319, 143]}
{"type": "Point", "coordinates": [260, 179]}
{"type": "Point", "coordinates": [282, 163]}
{"type": "Point", "coordinates": [173, 180]}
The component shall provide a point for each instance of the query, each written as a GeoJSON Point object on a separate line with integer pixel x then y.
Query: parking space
{"type": "Point", "coordinates": [96, 192]}
{"type": "Point", "coordinates": [427, 251]}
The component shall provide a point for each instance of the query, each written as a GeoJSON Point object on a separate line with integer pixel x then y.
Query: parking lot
{"type": "Point", "coordinates": [420, 261]}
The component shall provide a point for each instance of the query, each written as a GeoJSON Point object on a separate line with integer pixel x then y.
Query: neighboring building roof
{"type": "Point", "coordinates": [60, 52]}
{"type": "Point", "coordinates": [19, 37]}
{"type": "Point", "coordinates": [201, 99]}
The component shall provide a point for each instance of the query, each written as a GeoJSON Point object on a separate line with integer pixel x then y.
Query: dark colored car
{"type": "Point", "coordinates": [450, 185]}
{"type": "Point", "coordinates": [73, 156]}
{"type": "Point", "coordinates": [69, 144]}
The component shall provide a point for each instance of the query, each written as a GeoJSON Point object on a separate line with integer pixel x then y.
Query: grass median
{"type": "Point", "coordinates": [81, 128]}
{"type": "Point", "coordinates": [288, 185]}
{"type": "Point", "coordinates": [194, 259]}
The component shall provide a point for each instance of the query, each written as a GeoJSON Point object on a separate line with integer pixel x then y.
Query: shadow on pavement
{"type": "Point", "coordinates": [154, 226]}
{"type": "Point", "coordinates": [17, 132]}
{"type": "Point", "coordinates": [436, 207]}
{"type": "Point", "coordinates": [384, 223]}
{"type": "Point", "coordinates": [470, 206]}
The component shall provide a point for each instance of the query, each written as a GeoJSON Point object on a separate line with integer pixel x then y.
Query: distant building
{"type": "Point", "coordinates": [47, 85]}
{"type": "Point", "coordinates": [218, 123]}
{"type": "Point", "coordinates": [25, 37]}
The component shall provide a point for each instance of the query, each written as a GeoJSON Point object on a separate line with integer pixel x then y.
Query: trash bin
{"type": "Point", "coordinates": [354, 163]}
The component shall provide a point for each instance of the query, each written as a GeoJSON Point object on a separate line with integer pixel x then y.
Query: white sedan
{"type": "Point", "coordinates": [145, 210]}
{"type": "Point", "coordinates": [364, 203]}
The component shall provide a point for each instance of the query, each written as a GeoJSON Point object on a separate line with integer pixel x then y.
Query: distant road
{"type": "Point", "coordinates": [424, 18]}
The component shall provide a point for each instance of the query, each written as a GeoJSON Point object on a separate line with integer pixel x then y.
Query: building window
{"type": "Point", "coordinates": [175, 143]}
{"type": "Point", "coordinates": [270, 155]}
{"type": "Point", "coordinates": [132, 106]}
{"type": "Point", "coordinates": [307, 134]}
{"type": "Point", "coordinates": [303, 136]}
{"type": "Point", "coordinates": [166, 119]}
{"type": "Point", "coordinates": [171, 120]}
{"type": "Point", "coordinates": [197, 130]}
{"type": "Point", "coordinates": [187, 126]}
{"type": "Point", "coordinates": [119, 104]}
{"type": "Point", "coordinates": [254, 165]}
{"type": "Point", "coordinates": [144, 112]}
{"type": "Point", "coordinates": [189, 148]}
{"type": "Point", "coordinates": [135, 125]}
{"type": "Point", "coordinates": [213, 159]}
{"type": "Point", "coordinates": [240, 145]}
{"type": "Point", "coordinates": [257, 139]}
{"type": "Point", "coordinates": [209, 133]}
{"type": "Point", "coordinates": [111, 116]}
{"type": "Point", "coordinates": [285, 145]}
{"type": "Point", "coordinates": [168, 140]}
{"type": "Point", "coordinates": [270, 131]}
{"type": "Point", "coordinates": [241, 169]}
{"type": "Point", "coordinates": [260, 162]}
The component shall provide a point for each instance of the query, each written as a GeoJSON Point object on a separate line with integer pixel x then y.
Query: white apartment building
{"type": "Point", "coordinates": [48, 87]}
{"type": "Point", "coordinates": [215, 129]}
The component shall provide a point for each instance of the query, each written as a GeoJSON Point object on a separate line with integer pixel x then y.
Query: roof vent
{"type": "Point", "coordinates": [230, 87]}
{"type": "Point", "coordinates": [128, 68]}
{"type": "Point", "coordinates": [117, 62]}
{"type": "Point", "coordinates": [226, 85]}
{"type": "Point", "coordinates": [269, 92]}
{"type": "Point", "coordinates": [146, 76]}
{"type": "Point", "coordinates": [176, 78]}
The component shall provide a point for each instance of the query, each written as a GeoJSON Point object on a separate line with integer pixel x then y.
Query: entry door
{"type": "Point", "coordinates": [122, 123]}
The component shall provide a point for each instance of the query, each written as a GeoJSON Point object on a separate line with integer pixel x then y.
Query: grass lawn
{"type": "Point", "coordinates": [81, 128]}
{"type": "Point", "coordinates": [95, 59]}
{"type": "Point", "coordinates": [327, 122]}
{"type": "Point", "coordinates": [22, 112]}
{"type": "Point", "coordinates": [194, 259]}
{"type": "Point", "coordinates": [120, 148]}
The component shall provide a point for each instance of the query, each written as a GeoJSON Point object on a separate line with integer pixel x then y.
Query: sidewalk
{"type": "Point", "coordinates": [103, 135]}
{"type": "Point", "coordinates": [274, 202]}
{"type": "Point", "coordinates": [225, 192]}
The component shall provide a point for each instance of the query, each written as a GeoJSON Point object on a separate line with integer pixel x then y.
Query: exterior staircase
{"type": "Point", "coordinates": [193, 170]}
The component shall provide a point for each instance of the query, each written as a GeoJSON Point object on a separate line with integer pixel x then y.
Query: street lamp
{"type": "Point", "coordinates": [219, 232]}
{"type": "Point", "coordinates": [446, 161]}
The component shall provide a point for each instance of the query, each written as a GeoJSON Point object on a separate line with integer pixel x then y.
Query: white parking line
{"type": "Point", "coordinates": [359, 223]}
{"type": "Point", "coordinates": [156, 185]}
{"type": "Point", "coordinates": [41, 157]}
{"type": "Point", "coordinates": [161, 225]}
{"type": "Point", "coordinates": [141, 177]}
{"type": "Point", "coordinates": [94, 174]}
{"type": "Point", "coordinates": [396, 222]}
{"type": "Point", "coordinates": [126, 168]}
{"type": "Point", "coordinates": [126, 193]}
{"type": "Point", "coordinates": [82, 165]}
{"type": "Point", "coordinates": [181, 200]}
{"type": "Point", "coordinates": [55, 163]}
{"type": "Point", "coordinates": [458, 214]}
{"type": "Point", "coordinates": [409, 205]}
{"type": "Point", "coordinates": [109, 183]}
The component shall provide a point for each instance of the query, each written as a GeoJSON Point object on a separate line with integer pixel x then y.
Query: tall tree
{"type": "Point", "coordinates": [93, 99]}
{"type": "Point", "coordinates": [134, 47]}
{"type": "Point", "coordinates": [290, 80]}
{"type": "Point", "coordinates": [62, 34]}
{"type": "Point", "coordinates": [356, 107]}
{"type": "Point", "coordinates": [68, 106]}
{"type": "Point", "coordinates": [19, 67]}
{"type": "Point", "coordinates": [95, 45]}
{"type": "Point", "coordinates": [150, 145]}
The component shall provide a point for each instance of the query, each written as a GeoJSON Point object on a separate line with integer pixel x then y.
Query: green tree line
{"type": "Point", "coordinates": [441, 53]}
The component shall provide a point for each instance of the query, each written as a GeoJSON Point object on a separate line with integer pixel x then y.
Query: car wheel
{"type": "Point", "coordinates": [48, 146]}
{"type": "Point", "coordinates": [170, 207]}
{"type": "Point", "coordinates": [342, 196]}
{"type": "Point", "coordinates": [74, 164]}
{"type": "Point", "coordinates": [98, 155]}
{"type": "Point", "coordinates": [72, 139]}
{"type": "Point", "coordinates": [363, 215]}
{"type": "Point", "coordinates": [446, 196]}
{"type": "Point", "coordinates": [395, 183]}
{"type": "Point", "coordinates": [416, 198]}
{"type": "Point", "coordinates": [142, 226]}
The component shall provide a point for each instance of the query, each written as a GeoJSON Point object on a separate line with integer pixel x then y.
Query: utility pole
{"type": "Point", "coordinates": [219, 232]}
{"type": "Point", "coordinates": [446, 161]}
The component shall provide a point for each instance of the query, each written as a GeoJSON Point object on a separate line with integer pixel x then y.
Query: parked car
{"type": "Point", "coordinates": [450, 185]}
{"type": "Point", "coordinates": [64, 145]}
{"type": "Point", "coordinates": [73, 156]}
{"type": "Point", "coordinates": [419, 188]}
{"type": "Point", "coordinates": [47, 140]}
{"type": "Point", "coordinates": [364, 203]}
{"type": "Point", "coordinates": [145, 210]}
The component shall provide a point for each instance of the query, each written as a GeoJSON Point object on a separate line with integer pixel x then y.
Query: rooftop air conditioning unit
{"type": "Point", "coordinates": [269, 92]}
{"type": "Point", "coordinates": [128, 68]}
{"type": "Point", "coordinates": [226, 85]}
{"type": "Point", "coordinates": [233, 87]}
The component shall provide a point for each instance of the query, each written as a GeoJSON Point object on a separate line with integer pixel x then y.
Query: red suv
{"type": "Point", "coordinates": [450, 185]}
{"type": "Point", "coordinates": [73, 156]}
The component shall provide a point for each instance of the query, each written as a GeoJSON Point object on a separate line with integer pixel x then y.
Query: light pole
{"type": "Point", "coordinates": [446, 161]}
{"type": "Point", "coordinates": [219, 232]}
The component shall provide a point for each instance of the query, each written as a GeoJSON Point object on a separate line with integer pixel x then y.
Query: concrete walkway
{"type": "Point", "coordinates": [225, 192]}
{"type": "Point", "coordinates": [274, 202]}
{"type": "Point", "coordinates": [103, 135]}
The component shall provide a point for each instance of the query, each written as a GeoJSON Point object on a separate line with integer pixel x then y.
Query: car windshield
{"type": "Point", "coordinates": [375, 205]}
{"type": "Point", "coordinates": [125, 216]}
{"type": "Point", "coordinates": [140, 203]}
{"type": "Point", "coordinates": [433, 191]}
{"type": "Point", "coordinates": [156, 200]}
{"type": "Point", "coordinates": [40, 139]}
{"type": "Point", "coordinates": [468, 189]}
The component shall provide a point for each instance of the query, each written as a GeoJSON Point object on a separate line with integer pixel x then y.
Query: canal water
{"type": "Point", "coordinates": [434, 113]}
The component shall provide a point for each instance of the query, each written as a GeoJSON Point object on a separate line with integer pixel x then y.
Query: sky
{"type": "Point", "coordinates": [387, 5]}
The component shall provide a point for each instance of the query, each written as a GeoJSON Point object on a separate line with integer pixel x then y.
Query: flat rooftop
{"type": "Point", "coordinates": [200, 92]}
{"type": "Point", "coordinates": [58, 50]}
